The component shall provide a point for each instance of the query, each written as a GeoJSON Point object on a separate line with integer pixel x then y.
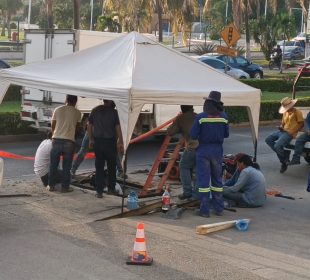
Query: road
{"type": "Point", "coordinates": [54, 236]}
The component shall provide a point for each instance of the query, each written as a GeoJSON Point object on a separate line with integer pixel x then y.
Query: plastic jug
{"type": "Point", "coordinates": [132, 201]}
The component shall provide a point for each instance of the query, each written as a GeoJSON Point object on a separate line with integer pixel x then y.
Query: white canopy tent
{"type": "Point", "coordinates": [134, 70]}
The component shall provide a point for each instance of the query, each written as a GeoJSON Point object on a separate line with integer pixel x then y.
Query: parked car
{"type": "Point", "coordinates": [220, 66]}
{"type": "Point", "coordinates": [240, 62]}
{"type": "Point", "coordinates": [294, 43]}
{"type": "Point", "coordinates": [293, 53]}
{"type": "Point", "coordinates": [3, 64]}
{"type": "Point", "coordinates": [305, 70]}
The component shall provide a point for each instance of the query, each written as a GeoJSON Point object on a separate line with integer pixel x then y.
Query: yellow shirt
{"type": "Point", "coordinates": [292, 122]}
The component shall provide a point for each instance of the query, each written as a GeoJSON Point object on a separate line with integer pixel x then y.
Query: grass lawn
{"type": "Point", "coordinates": [10, 106]}
{"type": "Point", "coordinates": [277, 96]}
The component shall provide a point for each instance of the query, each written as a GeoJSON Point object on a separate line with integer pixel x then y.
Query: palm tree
{"type": "Point", "coordinates": [9, 8]}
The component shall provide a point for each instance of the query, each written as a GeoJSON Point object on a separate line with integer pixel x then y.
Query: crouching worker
{"type": "Point", "coordinates": [42, 161]}
{"type": "Point", "coordinates": [210, 128]}
{"type": "Point", "coordinates": [250, 188]}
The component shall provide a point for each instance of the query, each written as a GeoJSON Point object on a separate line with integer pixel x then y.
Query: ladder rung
{"type": "Point", "coordinates": [159, 174]}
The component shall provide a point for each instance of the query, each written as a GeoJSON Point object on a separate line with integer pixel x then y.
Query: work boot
{"type": "Point", "coordinates": [295, 160]}
{"type": "Point", "coordinates": [99, 195]}
{"type": "Point", "coordinates": [283, 167]}
{"type": "Point", "coordinates": [198, 213]}
{"type": "Point", "coordinates": [66, 189]}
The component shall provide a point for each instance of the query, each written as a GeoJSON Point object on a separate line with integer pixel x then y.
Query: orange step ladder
{"type": "Point", "coordinates": [147, 191]}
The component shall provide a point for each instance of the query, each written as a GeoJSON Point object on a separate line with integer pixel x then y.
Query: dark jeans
{"type": "Point", "coordinates": [105, 151]}
{"type": "Point", "coordinates": [236, 199]}
{"type": "Point", "coordinates": [44, 178]}
{"type": "Point", "coordinates": [64, 148]}
{"type": "Point", "coordinates": [81, 154]}
{"type": "Point", "coordinates": [300, 143]}
{"type": "Point", "coordinates": [187, 164]}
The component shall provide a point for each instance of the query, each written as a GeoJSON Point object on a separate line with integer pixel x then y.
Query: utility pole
{"type": "Point", "coordinates": [226, 14]}
{"type": "Point", "coordinates": [247, 30]}
{"type": "Point", "coordinates": [50, 23]}
{"type": "Point", "coordinates": [91, 14]}
{"type": "Point", "coordinates": [160, 20]}
{"type": "Point", "coordinates": [266, 4]}
{"type": "Point", "coordinates": [76, 14]}
{"type": "Point", "coordinates": [29, 13]}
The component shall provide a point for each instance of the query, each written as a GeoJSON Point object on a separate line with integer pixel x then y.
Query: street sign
{"type": "Point", "coordinates": [230, 35]}
{"type": "Point", "coordinates": [227, 51]}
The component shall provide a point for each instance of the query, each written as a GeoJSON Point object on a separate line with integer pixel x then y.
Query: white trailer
{"type": "Point", "coordinates": [40, 44]}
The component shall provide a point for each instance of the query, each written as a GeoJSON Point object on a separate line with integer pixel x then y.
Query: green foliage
{"type": "Point", "coordinates": [268, 111]}
{"type": "Point", "coordinates": [277, 85]}
{"type": "Point", "coordinates": [10, 106]}
{"type": "Point", "coordinates": [13, 94]}
{"type": "Point", "coordinates": [266, 31]}
{"type": "Point", "coordinates": [10, 124]}
{"type": "Point", "coordinates": [108, 23]}
{"type": "Point", "coordinates": [201, 49]}
{"type": "Point", "coordinates": [13, 25]}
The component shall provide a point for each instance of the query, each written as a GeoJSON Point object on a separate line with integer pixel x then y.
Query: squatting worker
{"type": "Point", "coordinates": [183, 125]}
{"type": "Point", "coordinates": [249, 190]}
{"type": "Point", "coordinates": [65, 122]}
{"type": "Point", "coordinates": [105, 137]}
{"type": "Point", "coordinates": [210, 128]}
{"type": "Point", "coordinates": [42, 160]}
{"type": "Point", "coordinates": [292, 122]}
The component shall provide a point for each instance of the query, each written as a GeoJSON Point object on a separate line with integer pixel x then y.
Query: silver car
{"type": "Point", "coordinates": [220, 66]}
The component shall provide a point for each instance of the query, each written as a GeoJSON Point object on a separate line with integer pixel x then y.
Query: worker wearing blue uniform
{"type": "Point", "coordinates": [210, 128]}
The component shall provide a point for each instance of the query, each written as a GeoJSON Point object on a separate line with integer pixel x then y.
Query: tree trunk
{"type": "Point", "coordinates": [49, 9]}
{"type": "Point", "coordinates": [160, 20]}
{"type": "Point", "coordinates": [76, 13]}
{"type": "Point", "coordinates": [247, 29]}
{"type": "Point", "coordinates": [9, 25]}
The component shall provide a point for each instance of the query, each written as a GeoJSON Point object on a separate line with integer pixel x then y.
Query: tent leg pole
{"type": "Point", "coordinates": [124, 181]}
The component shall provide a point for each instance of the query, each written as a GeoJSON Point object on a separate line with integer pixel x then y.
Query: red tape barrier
{"type": "Point", "coordinates": [4, 154]}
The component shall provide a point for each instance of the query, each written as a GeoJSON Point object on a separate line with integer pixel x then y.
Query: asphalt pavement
{"type": "Point", "coordinates": [55, 236]}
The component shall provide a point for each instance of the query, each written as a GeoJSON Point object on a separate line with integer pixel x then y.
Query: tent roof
{"type": "Point", "coordinates": [133, 70]}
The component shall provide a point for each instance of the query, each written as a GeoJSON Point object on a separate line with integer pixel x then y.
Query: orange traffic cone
{"type": "Point", "coordinates": [139, 254]}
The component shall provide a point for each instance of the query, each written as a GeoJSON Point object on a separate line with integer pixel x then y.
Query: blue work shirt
{"type": "Point", "coordinates": [210, 132]}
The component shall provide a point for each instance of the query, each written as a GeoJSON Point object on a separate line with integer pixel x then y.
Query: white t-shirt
{"type": "Point", "coordinates": [42, 158]}
{"type": "Point", "coordinates": [66, 118]}
{"type": "Point", "coordinates": [1, 171]}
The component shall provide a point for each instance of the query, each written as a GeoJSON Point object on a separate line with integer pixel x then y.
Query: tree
{"type": "Point", "coordinates": [9, 8]}
{"type": "Point", "coordinates": [108, 23]}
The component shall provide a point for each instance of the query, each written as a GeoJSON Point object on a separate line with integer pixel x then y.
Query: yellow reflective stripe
{"type": "Point", "coordinates": [203, 190]}
{"type": "Point", "coordinates": [216, 189]}
{"type": "Point", "coordinates": [212, 120]}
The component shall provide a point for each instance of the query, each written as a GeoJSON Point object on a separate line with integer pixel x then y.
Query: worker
{"type": "Point", "coordinates": [210, 128]}
{"type": "Point", "coordinates": [301, 141]}
{"type": "Point", "coordinates": [1, 171]}
{"type": "Point", "coordinates": [249, 189]}
{"type": "Point", "coordinates": [292, 122]}
{"type": "Point", "coordinates": [105, 137]}
{"type": "Point", "coordinates": [183, 125]}
{"type": "Point", "coordinates": [42, 161]}
{"type": "Point", "coordinates": [65, 122]}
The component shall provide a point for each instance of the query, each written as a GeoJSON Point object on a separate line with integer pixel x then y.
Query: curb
{"type": "Point", "coordinates": [21, 138]}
